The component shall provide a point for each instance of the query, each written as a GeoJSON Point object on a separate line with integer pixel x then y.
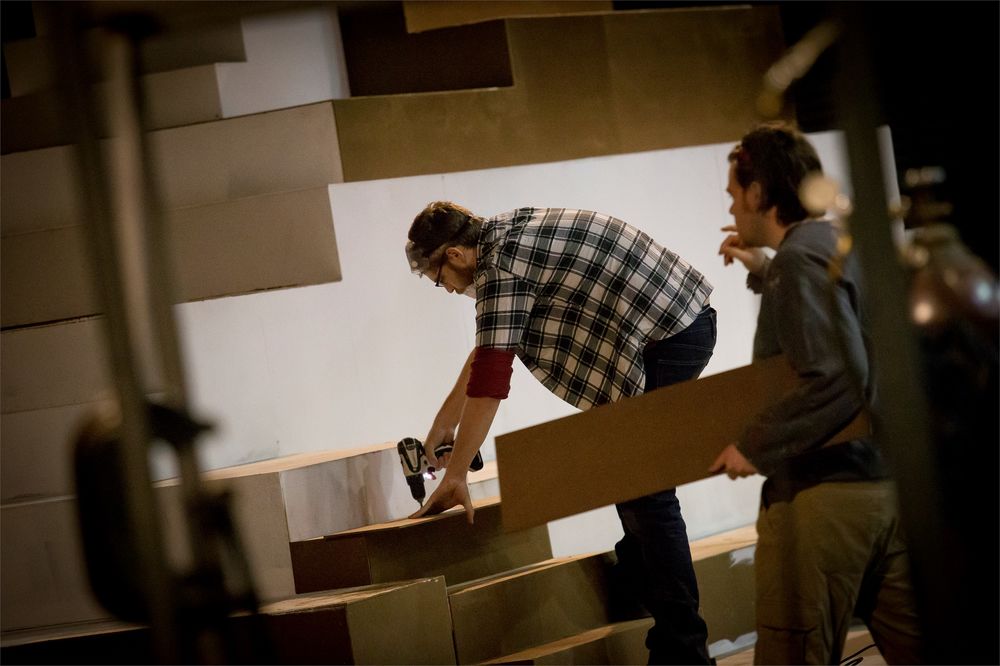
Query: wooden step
{"type": "Point", "coordinates": [538, 604]}
{"type": "Point", "coordinates": [619, 643]}
{"type": "Point", "coordinates": [279, 151]}
{"type": "Point", "coordinates": [444, 545]}
{"type": "Point", "coordinates": [252, 244]}
{"type": "Point", "coordinates": [561, 605]}
{"type": "Point", "coordinates": [273, 502]}
{"type": "Point", "coordinates": [359, 626]}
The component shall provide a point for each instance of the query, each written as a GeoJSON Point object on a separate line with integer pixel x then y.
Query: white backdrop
{"type": "Point", "coordinates": [369, 359]}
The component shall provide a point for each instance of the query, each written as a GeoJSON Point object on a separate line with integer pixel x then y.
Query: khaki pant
{"type": "Point", "coordinates": [832, 553]}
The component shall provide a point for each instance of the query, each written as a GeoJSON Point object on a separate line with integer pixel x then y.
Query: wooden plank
{"type": "Point", "coordinates": [637, 446]}
{"type": "Point", "coordinates": [507, 613]}
{"type": "Point", "coordinates": [411, 548]}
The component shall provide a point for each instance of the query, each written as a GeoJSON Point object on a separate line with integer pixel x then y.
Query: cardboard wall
{"type": "Point", "coordinates": [582, 86]}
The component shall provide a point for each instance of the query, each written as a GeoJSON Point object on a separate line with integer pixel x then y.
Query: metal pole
{"type": "Point", "coordinates": [901, 425]}
{"type": "Point", "coordinates": [95, 193]}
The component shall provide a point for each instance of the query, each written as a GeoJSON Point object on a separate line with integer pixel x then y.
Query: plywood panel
{"type": "Point", "coordinates": [604, 455]}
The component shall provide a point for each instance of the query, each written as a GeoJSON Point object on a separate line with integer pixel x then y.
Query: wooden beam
{"type": "Point", "coordinates": [634, 447]}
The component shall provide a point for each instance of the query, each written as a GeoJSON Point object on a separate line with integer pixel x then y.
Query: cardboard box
{"type": "Point", "coordinates": [507, 613]}
{"type": "Point", "coordinates": [619, 643]}
{"type": "Point", "coordinates": [548, 471]}
{"type": "Point", "coordinates": [443, 545]}
{"type": "Point", "coordinates": [405, 623]}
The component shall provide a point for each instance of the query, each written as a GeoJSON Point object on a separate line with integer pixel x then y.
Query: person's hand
{"type": "Point", "coordinates": [435, 437]}
{"type": "Point", "coordinates": [452, 491]}
{"type": "Point", "coordinates": [733, 463]}
{"type": "Point", "coordinates": [733, 248]}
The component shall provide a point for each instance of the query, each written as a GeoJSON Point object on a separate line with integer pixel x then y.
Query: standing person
{"type": "Point", "coordinates": [597, 311]}
{"type": "Point", "coordinates": [829, 544]}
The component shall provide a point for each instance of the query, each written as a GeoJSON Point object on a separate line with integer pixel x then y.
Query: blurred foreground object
{"type": "Point", "coordinates": [954, 302]}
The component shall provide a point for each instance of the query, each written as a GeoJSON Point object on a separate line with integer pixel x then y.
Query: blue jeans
{"type": "Point", "coordinates": [654, 557]}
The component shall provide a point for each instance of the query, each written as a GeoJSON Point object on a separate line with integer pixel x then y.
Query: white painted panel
{"type": "Point", "coordinates": [292, 58]}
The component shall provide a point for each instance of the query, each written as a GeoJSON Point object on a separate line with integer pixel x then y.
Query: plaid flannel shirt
{"type": "Point", "coordinates": [577, 295]}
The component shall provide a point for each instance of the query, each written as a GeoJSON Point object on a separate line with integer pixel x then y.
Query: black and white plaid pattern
{"type": "Point", "coordinates": [577, 295]}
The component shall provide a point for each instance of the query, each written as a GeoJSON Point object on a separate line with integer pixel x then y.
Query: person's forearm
{"type": "Point", "coordinates": [451, 411]}
{"type": "Point", "coordinates": [476, 421]}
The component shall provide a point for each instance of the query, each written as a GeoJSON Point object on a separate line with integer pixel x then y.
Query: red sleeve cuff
{"type": "Point", "coordinates": [489, 376]}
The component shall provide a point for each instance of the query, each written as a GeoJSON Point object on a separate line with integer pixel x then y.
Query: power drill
{"type": "Point", "coordinates": [416, 467]}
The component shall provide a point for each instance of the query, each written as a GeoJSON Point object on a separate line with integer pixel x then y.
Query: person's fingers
{"type": "Point", "coordinates": [734, 252]}
{"type": "Point", "coordinates": [726, 242]}
{"type": "Point", "coordinates": [470, 511]}
{"type": "Point", "coordinates": [717, 466]}
{"type": "Point", "coordinates": [419, 513]}
{"type": "Point", "coordinates": [729, 227]}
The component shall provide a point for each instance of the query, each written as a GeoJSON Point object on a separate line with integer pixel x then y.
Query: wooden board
{"type": "Point", "coordinates": [637, 446]}
{"type": "Point", "coordinates": [442, 545]}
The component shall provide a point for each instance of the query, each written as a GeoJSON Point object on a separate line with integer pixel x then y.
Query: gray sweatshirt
{"type": "Point", "coordinates": [820, 328]}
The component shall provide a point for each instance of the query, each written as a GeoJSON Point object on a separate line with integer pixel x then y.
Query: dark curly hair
{"type": "Point", "coordinates": [778, 157]}
{"type": "Point", "coordinates": [444, 222]}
